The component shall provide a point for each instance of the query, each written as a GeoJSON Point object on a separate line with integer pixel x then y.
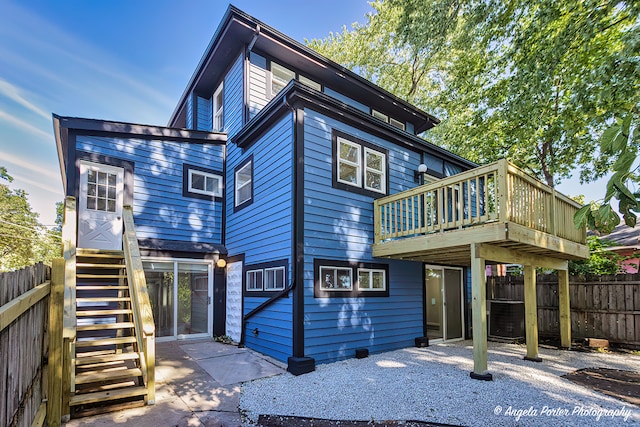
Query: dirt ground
{"type": "Point", "coordinates": [624, 385]}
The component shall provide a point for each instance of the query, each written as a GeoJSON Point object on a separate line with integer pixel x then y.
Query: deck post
{"type": "Point", "coordinates": [56, 298]}
{"type": "Point", "coordinates": [565, 308]}
{"type": "Point", "coordinates": [479, 312]}
{"type": "Point", "coordinates": [531, 313]}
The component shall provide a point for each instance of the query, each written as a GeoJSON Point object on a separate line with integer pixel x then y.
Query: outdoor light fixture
{"type": "Point", "coordinates": [221, 263]}
{"type": "Point", "coordinates": [418, 176]}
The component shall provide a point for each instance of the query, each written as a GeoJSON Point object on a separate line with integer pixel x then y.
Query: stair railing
{"type": "Point", "coordinates": [140, 303]}
{"type": "Point", "coordinates": [69, 235]}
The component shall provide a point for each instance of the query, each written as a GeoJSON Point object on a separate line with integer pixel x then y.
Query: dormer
{"type": "Point", "coordinates": [247, 63]}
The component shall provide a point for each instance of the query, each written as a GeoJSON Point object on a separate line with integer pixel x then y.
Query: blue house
{"type": "Point", "coordinates": [257, 208]}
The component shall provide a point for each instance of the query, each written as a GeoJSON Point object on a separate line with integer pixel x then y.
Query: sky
{"type": "Point", "coordinates": [126, 61]}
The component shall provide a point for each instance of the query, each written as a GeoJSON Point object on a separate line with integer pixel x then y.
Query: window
{"type": "Point", "coordinates": [349, 163]}
{"type": "Point", "coordinates": [201, 183]}
{"type": "Point", "coordinates": [263, 279]}
{"type": "Point", "coordinates": [397, 123]}
{"type": "Point", "coordinates": [350, 279]}
{"type": "Point", "coordinates": [374, 170]}
{"type": "Point", "coordinates": [218, 108]}
{"type": "Point", "coordinates": [280, 76]}
{"type": "Point", "coordinates": [101, 191]}
{"type": "Point", "coordinates": [371, 279]}
{"type": "Point", "coordinates": [336, 279]}
{"type": "Point", "coordinates": [254, 280]}
{"type": "Point", "coordinates": [274, 279]}
{"type": "Point", "coordinates": [359, 166]}
{"type": "Point", "coordinates": [244, 183]}
{"type": "Point", "coordinates": [381, 116]}
{"type": "Point", "coordinates": [311, 83]}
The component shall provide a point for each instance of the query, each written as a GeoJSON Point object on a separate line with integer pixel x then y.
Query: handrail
{"type": "Point", "coordinates": [262, 306]}
{"type": "Point", "coordinates": [497, 192]}
{"type": "Point", "coordinates": [69, 235]}
{"type": "Point", "coordinates": [140, 303]}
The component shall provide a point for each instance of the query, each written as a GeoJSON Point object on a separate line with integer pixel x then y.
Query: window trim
{"type": "Point", "coordinates": [217, 109]}
{"type": "Point", "coordinates": [335, 271]}
{"type": "Point", "coordinates": [254, 272]}
{"type": "Point", "coordinates": [371, 271]}
{"type": "Point", "coordinates": [263, 267]}
{"type": "Point", "coordinates": [244, 203]}
{"type": "Point", "coordinates": [360, 187]}
{"type": "Point", "coordinates": [354, 267]}
{"type": "Point", "coordinates": [187, 191]}
{"type": "Point", "coordinates": [275, 270]}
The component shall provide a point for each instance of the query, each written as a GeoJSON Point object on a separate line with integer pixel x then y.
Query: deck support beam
{"type": "Point", "coordinates": [479, 311]}
{"type": "Point", "coordinates": [565, 308]}
{"type": "Point", "coordinates": [531, 313]}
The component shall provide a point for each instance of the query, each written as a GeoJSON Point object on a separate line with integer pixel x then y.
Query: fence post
{"type": "Point", "coordinates": [56, 301]}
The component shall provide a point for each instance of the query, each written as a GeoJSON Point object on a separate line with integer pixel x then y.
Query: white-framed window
{"type": "Point", "coordinates": [101, 191]}
{"type": "Point", "coordinates": [370, 279]}
{"type": "Point", "coordinates": [244, 183]}
{"type": "Point", "coordinates": [205, 183]}
{"type": "Point", "coordinates": [311, 83]}
{"type": "Point", "coordinates": [349, 163]}
{"type": "Point", "coordinates": [379, 115]}
{"type": "Point", "coordinates": [359, 164]}
{"type": "Point", "coordinates": [274, 278]}
{"type": "Point", "coordinates": [255, 280]}
{"type": "Point", "coordinates": [374, 170]}
{"type": "Point", "coordinates": [336, 278]}
{"type": "Point", "coordinates": [280, 76]}
{"type": "Point", "coordinates": [397, 123]}
{"type": "Point", "coordinates": [218, 108]}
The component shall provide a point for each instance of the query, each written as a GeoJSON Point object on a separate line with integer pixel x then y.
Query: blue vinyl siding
{"type": "Point", "coordinates": [160, 209]}
{"type": "Point", "coordinates": [339, 225]}
{"type": "Point", "coordinates": [258, 84]}
{"type": "Point", "coordinates": [189, 113]}
{"type": "Point", "coordinates": [205, 117]}
{"type": "Point", "coordinates": [347, 100]}
{"type": "Point", "coordinates": [262, 231]}
{"type": "Point", "coordinates": [234, 98]}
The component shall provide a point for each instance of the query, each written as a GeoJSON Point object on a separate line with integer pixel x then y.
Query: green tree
{"type": "Point", "coordinates": [535, 81]}
{"type": "Point", "coordinates": [23, 240]}
{"type": "Point", "coordinates": [601, 260]}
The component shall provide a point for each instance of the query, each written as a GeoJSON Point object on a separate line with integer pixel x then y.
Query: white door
{"type": "Point", "coordinates": [100, 207]}
{"type": "Point", "coordinates": [233, 324]}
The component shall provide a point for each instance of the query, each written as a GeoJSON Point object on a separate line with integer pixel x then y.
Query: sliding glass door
{"type": "Point", "coordinates": [180, 293]}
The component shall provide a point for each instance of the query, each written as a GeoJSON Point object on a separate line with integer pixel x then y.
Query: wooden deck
{"type": "Point", "coordinates": [497, 205]}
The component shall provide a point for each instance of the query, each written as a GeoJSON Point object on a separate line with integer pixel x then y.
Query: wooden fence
{"type": "Point", "coordinates": [606, 306]}
{"type": "Point", "coordinates": [24, 313]}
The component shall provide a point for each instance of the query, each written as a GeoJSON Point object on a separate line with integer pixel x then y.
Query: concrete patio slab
{"type": "Point", "coordinates": [239, 367]}
{"type": "Point", "coordinates": [198, 383]}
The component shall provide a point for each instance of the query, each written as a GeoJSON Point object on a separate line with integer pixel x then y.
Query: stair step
{"type": "Point", "coordinates": [100, 276]}
{"type": "Point", "coordinates": [101, 396]}
{"type": "Point", "coordinates": [111, 374]}
{"type": "Point", "coordinates": [105, 341]}
{"type": "Point", "coordinates": [105, 253]}
{"type": "Point", "coordinates": [90, 360]}
{"type": "Point", "coordinates": [103, 299]}
{"type": "Point", "coordinates": [104, 326]}
{"type": "Point", "coordinates": [99, 265]}
{"type": "Point", "coordinates": [80, 312]}
{"type": "Point", "coordinates": [81, 287]}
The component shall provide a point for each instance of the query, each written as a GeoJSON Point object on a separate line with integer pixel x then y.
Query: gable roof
{"type": "Point", "coordinates": [238, 30]}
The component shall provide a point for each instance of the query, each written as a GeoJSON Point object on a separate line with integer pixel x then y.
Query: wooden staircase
{"type": "Point", "coordinates": [107, 363]}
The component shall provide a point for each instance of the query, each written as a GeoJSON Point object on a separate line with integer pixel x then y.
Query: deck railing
{"type": "Point", "coordinates": [140, 303]}
{"type": "Point", "coordinates": [497, 192]}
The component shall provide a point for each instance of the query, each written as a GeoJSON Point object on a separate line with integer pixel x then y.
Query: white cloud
{"type": "Point", "coordinates": [24, 125]}
{"type": "Point", "coordinates": [14, 93]}
{"type": "Point", "coordinates": [40, 170]}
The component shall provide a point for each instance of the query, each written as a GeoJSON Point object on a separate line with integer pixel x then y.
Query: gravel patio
{"type": "Point", "coordinates": [433, 385]}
